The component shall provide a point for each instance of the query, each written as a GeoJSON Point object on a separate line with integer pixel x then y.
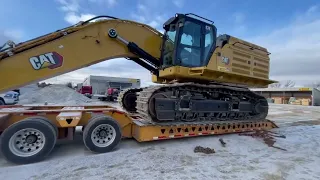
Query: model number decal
{"type": "Point", "coordinates": [225, 60]}
{"type": "Point", "coordinates": [49, 60]}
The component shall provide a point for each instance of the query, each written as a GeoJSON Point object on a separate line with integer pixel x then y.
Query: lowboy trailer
{"type": "Point", "coordinates": [29, 133]}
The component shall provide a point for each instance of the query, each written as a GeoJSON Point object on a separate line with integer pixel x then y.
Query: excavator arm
{"type": "Point", "coordinates": [78, 46]}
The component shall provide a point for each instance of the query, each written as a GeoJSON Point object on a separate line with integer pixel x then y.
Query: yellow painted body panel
{"type": "Point", "coordinates": [245, 66]}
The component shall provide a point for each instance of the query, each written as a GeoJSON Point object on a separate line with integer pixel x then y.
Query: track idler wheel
{"type": "Point", "coordinates": [127, 100]}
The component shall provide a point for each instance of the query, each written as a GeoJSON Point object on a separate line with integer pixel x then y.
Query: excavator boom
{"type": "Point", "coordinates": [73, 48]}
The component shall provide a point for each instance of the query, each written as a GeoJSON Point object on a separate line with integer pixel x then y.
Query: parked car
{"type": "Point", "coordinates": [9, 98]}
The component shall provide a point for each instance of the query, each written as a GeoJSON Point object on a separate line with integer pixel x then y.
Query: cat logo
{"type": "Point", "coordinates": [49, 60]}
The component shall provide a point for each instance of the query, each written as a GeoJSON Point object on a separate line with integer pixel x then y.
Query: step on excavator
{"type": "Point", "coordinates": [201, 77]}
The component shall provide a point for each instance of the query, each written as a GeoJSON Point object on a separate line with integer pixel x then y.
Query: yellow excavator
{"type": "Point", "coordinates": [200, 76]}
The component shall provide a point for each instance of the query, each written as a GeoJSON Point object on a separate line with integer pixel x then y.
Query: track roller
{"type": "Point", "coordinates": [102, 134]}
{"type": "Point", "coordinates": [29, 140]}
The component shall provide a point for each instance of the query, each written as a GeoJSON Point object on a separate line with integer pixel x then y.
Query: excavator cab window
{"type": "Point", "coordinates": [188, 42]}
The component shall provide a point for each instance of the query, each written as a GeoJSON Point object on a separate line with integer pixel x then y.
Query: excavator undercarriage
{"type": "Point", "coordinates": [194, 102]}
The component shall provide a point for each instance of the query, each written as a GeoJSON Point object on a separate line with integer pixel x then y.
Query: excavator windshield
{"type": "Point", "coordinates": [188, 42]}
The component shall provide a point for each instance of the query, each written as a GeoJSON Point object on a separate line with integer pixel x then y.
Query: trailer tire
{"type": "Point", "coordinates": [102, 134]}
{"type": "Point", "coordinates": [47, 121]}
{"type": "Point", "coordinates": [28, 141]}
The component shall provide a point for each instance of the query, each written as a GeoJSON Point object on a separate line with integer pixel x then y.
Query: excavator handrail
{"type": "Point", "coordinates": [62, 32]}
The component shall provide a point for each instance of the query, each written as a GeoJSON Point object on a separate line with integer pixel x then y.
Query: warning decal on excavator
{"type": "Point", "coordinates": [49, 60]}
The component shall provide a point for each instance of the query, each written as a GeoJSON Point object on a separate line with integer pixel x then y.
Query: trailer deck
{"type": "Point", "coordinates": [65, 119]}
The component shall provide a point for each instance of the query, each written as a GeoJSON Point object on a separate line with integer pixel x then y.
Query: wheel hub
{"type": "Point", "coordinates": [103, 135]}
{"type": "Point", "coordinates": [30, 139]}
{"type": "Point", "coordinates": [27, 142]}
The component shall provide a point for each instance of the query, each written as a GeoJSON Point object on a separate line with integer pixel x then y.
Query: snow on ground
{"type": "Point", "coordinates": [244, 157]}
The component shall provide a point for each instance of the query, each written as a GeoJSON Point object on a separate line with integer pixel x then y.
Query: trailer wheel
{"type": "Point", "coordinates": [102, 134]}
{"type": "Point", "coordinates": [28, 141]}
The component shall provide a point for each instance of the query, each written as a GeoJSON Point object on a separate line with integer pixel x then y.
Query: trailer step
{"type": "Point", "coordinates": [69, 119]}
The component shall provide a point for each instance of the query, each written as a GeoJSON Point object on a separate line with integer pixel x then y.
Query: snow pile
{"type": "Point", "coordinates": [54, 94]}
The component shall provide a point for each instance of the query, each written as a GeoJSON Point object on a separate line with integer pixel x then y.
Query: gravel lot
{"type": "Point", "coordinates": [295, 155]}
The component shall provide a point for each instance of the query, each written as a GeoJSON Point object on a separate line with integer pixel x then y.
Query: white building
{"type": "Point", "coordinates": [101, 83]}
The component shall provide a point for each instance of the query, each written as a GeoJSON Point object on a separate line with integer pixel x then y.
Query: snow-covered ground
{"type": "Point", "coordinates": [243, 157]}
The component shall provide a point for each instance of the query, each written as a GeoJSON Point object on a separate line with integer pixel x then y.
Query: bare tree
{"type": "Point", "coordinates": [275, 85]}
{"type": "Point", "coordinates": [289, 83]}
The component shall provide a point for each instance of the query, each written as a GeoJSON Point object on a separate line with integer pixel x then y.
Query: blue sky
{"type": "Point", "coordinates": [289, 29]}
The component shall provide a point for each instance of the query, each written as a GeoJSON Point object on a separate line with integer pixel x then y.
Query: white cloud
{"type": "Point", "coordinates": [239, 18]}
{"type": "Point", "coordinates": [138, 18]}
{"type": "Point", "coordinates": [142, 7]}
{"type": "Point", "coordinates": [239, 25]}
{"type": "Point", "coordinates": [74, 18]}
{"type": "Point", "coordinates": [178, 3]}
{"type": "Point", "coordinates": [150, 12]}
{"type": "Point", "coordinates": [109, 3]}
{"type": "Point", "coordinates": [154, 23]}
{"type": "Point", "coordinates": [14, 35]}
{"type": "Point", "coordinates": [69, 5]}
{"type": "Point", "coordinates": [295, 48]}
{"type": "Point", "coordinates": [73, 9]}
{"type": "Point", "coordinates": [312, 9]}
